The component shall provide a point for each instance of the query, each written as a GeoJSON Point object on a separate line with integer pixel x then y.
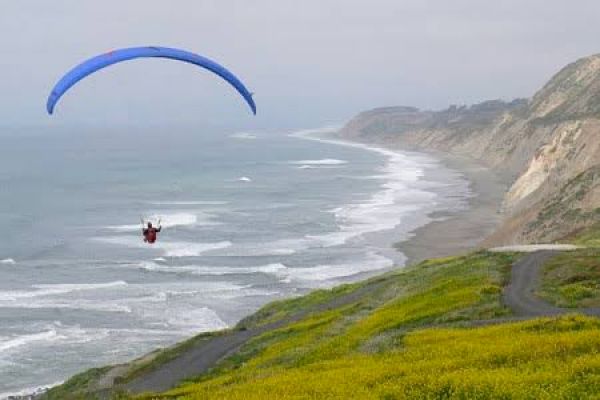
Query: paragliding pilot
{"type": "Point", "coordinates": [150, 232]}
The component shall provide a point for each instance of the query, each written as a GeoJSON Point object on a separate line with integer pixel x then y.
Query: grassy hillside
{"type": "Point", "coordinates": [435, 330]}
{"type": "Point", "coordinates": [572, 279]}
{"type": "Point", "coordinates": [547, 358]}
{"type": "Point", "coordinates": [418, 334]}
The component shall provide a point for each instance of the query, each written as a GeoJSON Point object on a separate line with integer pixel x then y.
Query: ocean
{"type": "Point", "coordinates": [248, 217]}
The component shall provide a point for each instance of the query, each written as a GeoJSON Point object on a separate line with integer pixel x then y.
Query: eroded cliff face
{"type": "Point", "coordinates": [548, 148]}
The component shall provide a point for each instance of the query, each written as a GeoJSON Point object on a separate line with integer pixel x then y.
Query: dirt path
{"type": "Point", "coordinates": [520, 295]}
{"type": "Point", "coordinates": [199, 360]}
{"type": "Point", "coordinates": [530, 248]}
{"type": "Point", "coordinates": [525, 280]}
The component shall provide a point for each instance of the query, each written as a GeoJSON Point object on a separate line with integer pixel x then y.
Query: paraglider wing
{"type": "Point", "coordinates": [96, 63]}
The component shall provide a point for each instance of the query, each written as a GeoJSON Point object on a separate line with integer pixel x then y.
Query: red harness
{"type": "Point", "coordinates": [150, 235]}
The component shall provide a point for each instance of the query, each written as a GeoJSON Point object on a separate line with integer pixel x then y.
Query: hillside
{"type": "Point", "coordinates": [547, 147]}
{"type": "Point", "coordinates": [439, 329]}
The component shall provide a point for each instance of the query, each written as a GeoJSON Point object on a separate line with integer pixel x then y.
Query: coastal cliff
{"type": "Point", "coordinates": [547, 148]}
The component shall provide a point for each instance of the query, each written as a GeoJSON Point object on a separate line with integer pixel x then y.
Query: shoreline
{"type": "Point", "coordinates": [450, 232]}
{"type": "Point", "coordinates": [455, 232]}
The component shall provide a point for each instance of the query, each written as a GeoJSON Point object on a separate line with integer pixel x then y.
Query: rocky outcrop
{"type": "Point", "coordinates": [547, 147]}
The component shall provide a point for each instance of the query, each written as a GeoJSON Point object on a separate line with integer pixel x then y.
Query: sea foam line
{"type": "Point", "coordinates": [387, 208]}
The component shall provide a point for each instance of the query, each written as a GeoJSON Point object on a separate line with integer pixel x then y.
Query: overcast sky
{"type": "Point", "coordinates": [309, 62]}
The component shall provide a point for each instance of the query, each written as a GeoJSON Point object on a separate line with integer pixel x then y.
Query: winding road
{"type": "Point", "coordinates": [525, 279]}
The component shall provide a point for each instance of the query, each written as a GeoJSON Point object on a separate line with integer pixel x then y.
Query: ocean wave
{"type": "Point", "coordinates": [35, 390]}
{"type": "Point", "coordinates": [324, 161]}
{"type": "Point", "coordinates": [187, 249]}
{"type": "Point", "coordinates": [189, 203]}
{"type": "Point", "coordinates": [53, 333]}
{"type": "Point", "coordinates": [8, 261]}
{"type": "Point", "coordinates": [70, 287]}
{"type": "Point", "coordinates": [42, 290]}
{"type": "Point", "coordinates": [144, 300]}
{"type": "Point", "coordinates": [24, 340]}
{"type": "Point", "coordinates": [169, 249]}
{"type": "Point", "coordinates": [282, 247]}
{"type": "Point", "coordinates": [400, 196]}
{"type": "Point", "coordinates": [209, 270]}
{"type": "Point", "coordinates": [168, 221]}
{"type": "Point", "coordinates": [326, 275]}
{"type": "Point", "coordinates": [371, 262]}
{"type": "Point", "coordinates": [197, 320]}
{"type": "Point", "coordinates": [243, 135]}
{"type": "Point", "coordinates": [66, 304]}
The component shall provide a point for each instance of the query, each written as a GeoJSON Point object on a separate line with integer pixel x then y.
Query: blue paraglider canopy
{"type": "Point", "coordinates": [96, 63]}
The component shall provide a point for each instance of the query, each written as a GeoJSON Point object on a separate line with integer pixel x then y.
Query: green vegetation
{"type": "Point", "coordinates": [364, 335]}
{"type": "Point", "coordinates": [279, 310]}
{"type": "Point", "coordinates": [589, 237]}
{"type": "Point", "coordinates": [421, 332]}
{"type": "Point", "coordinates": [572, 279]}
{"type": "Point", "coordinates": [77, 386]}
{"type": "Point", "coordinates": [545, 358]}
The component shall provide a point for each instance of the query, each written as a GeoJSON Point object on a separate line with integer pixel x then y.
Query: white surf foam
{"type": "Point", "coordinates": [210, 270]}
{"type": "Point", "coordinates": [70, 287]}
{"type": "Point", "coordinates": [35, 390]}
{"type": "Point", "coordinates": [43, 290]}
{"type": "Point", "coordinates": [326, 275]}
{"type": "Point", "coordinates": [324, 161]}
{"type": "Point", "coordinates": [371, 262]}
{"type": "Point", "coordinates": [8, 261]}
{"type": "Point", "coordinates": [24, 340]}
{"type": "Point", "coordinates": [187, 249]}
{"type": "Point", "coordinates": [243, 135]}
{"type": "Point", "coordinates": [169, 249]}
{"type": "Point", "coordinates": [189, 203]}
{"type": "Point", "coordinates": [167, 221]}
{"type": "Point", "coordinates": [198, 320]}
{"type": "Point", "coordinates": [244, 179]}
{"type": "Point", "coordinates": [398, 197]}
{"type": "Point", "coordinates": [54, 332]}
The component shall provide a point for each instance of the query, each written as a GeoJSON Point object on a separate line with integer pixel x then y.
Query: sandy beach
{"type": "Point", "coordinates": [455, 232]}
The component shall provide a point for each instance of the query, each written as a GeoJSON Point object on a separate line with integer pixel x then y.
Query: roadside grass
{"type": "Point", "coordinates": [85, 384]}
{"type": "Point", "coordinates": [281, 309]}
{"type": "Point", "coordinates": [348, 351]}
{"type": "Point", "coordinates": [589, 237]}
{"type": "Point", "coordinates": [572, 279]}
{"type": "Point", "coordinates": [77, 387]}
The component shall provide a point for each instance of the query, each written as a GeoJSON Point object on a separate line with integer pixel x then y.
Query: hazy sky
{"type": "Point", "coordinates": [309, 62]}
